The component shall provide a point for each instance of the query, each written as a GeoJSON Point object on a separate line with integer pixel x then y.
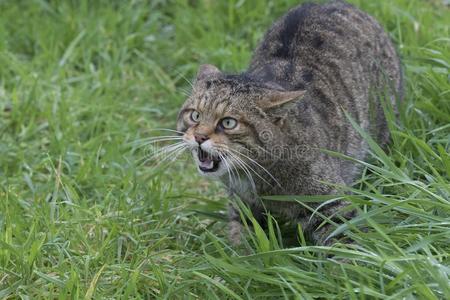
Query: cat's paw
{"type": "Point", "coordinates": [235, 232]}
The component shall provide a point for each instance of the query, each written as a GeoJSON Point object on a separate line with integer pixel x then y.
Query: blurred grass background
{"type": "Point", "coordinates": [82, 217]}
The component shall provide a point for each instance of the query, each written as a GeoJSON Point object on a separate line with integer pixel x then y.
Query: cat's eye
{"type": "Point", "coordinates": [228, 123]}
{"type": "Point", "coordinates": [195, 116]}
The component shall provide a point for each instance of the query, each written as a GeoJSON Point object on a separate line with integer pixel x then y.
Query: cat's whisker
{"type": "Point", "coordinates": [246, 168]}
{"type": "Point", "coordinates": [154, 141]}
{"type": "Point", "coordinates": [185, 92]}
{"type": "Point", "coordinates": [224, 159]}
{"type": "Point", "coordinates": [165, 150]}
{"type": "Point", "coordinates": [168, 149]}
{"type": "Point", "coordinates": [139, 143]}
{"type": "Point", "coordinates": [172, 157]}
{"type": "Point", "coordinates": [167, 129]}
{"type": "Point", "coordinates": [168, 159]}
{"type": "Point", "coordinates": [234, 178]}
{"type": "Point", "coordinates": [237, 175]}
{"type": "Point", "coordinates": [248, 174]}
{"type": "Point", "coordinates": [257, 164]}
{"type": "Point", "coordinates": [156, 137]}
{"type": "Point", "coordinates": [242, 165]}
{"type": "Point", "coordinates": [187, 80]}
{"type": "Point", "coordinates": [237, 158]}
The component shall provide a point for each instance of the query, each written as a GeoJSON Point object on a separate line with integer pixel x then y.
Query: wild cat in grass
{"type": "Point", "coordinates": [260, 132]}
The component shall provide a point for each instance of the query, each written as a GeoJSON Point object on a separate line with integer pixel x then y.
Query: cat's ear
{"type": "Point", "coordinates": [275, 98]}
{"type": "Point", "coordinates": [208, 72]}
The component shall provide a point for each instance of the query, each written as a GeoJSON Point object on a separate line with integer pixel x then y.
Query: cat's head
{"type": "Point", "coordinates": [223, 118]}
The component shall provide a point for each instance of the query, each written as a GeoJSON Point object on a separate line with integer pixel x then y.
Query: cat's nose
{"type": "Point", "coordinates": [200, 138]}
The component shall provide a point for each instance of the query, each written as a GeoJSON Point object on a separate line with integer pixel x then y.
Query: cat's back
{"type": "Point", "coordinates": [344, 60]}
{"type": "Point", "coordinates": [323, 39]}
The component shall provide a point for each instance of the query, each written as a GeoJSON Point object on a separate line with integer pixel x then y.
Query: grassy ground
{"type": "Point", "coordinates": [82, 217]}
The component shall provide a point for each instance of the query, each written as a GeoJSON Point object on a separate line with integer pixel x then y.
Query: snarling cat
{"type": "Point", "coordinates": [261, 132]}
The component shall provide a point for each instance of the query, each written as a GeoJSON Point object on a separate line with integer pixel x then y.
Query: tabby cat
{"type": "Point", "coordinates": [261, 132]}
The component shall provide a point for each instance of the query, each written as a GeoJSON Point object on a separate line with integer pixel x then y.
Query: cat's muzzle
{"type": "Point", "coordinates": [207, 162]}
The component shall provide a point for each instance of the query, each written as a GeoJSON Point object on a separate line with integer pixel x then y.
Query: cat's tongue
{"type": "Point", "coordinates": [207, 164]}
{"type": "Point", "coordinates": [206, 161]}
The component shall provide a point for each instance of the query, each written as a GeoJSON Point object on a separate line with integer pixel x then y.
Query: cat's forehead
{"type": "Point", "coordinates": [223, 94]}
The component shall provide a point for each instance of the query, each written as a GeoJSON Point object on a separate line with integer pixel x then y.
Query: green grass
{"type": "Point", "coordinates": [82, 217]}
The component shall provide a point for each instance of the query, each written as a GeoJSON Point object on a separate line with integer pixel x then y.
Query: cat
{"type": "Point", "coordinates": [261, 132]}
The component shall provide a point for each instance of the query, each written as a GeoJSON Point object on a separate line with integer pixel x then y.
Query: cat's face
{"type": "Point", "coordinates": [222, 119]}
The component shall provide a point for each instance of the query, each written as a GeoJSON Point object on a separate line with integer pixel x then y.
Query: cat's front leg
{"type": "Point", "coordinates": [235, 227]}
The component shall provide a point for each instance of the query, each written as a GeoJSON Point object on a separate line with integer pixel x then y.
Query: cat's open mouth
{"type": "Point", "coordinates": [207, 162]}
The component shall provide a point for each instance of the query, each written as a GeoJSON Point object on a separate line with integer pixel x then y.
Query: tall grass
{"type": "Point", "coordinates": [82, 217]}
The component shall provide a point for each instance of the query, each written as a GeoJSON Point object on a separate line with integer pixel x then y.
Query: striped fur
{"type": "Point", "coordinates": [342, 60]}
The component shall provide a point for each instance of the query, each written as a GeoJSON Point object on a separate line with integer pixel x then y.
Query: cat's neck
{"type": "Point", "coordinates": [282, 75]}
